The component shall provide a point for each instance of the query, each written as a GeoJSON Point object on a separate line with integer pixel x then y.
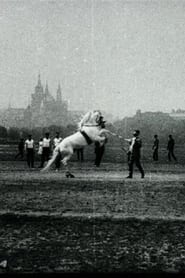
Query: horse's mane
{"type": "Point", "coordinates": [86, 118]}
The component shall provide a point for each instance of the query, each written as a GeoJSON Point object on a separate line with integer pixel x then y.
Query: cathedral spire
{"type": "Point", "coordinates": [39, 81]}
{"type": "Point", "coordinates": [38, 87]}
{"type": "Point", "coordinates": [59, 94]}
{"type": "Point", "coordinates": [46, 89]}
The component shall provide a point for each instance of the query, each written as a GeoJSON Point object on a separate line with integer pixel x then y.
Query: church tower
{"type": "Point", "coordinates": [39, 88]}
{"type": "Point", "coordinates": [46, 89]}
{"type": "Point", "coordinates": [59, 95]}
{"type": "Point", "coordinates": [37, 96]}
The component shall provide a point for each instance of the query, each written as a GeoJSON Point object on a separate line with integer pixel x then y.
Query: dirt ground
{"type": "Point", "coordinates": [98, 221]}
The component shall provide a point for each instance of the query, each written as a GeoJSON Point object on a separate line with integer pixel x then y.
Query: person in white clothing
{"type": "Point", "coordinates": [29, 147]}
{"type": "Point", "coordinates": [46, 149]}
{"type": "Point", "coordinates": [56, 141]}
{"type": "Point", "coordinates": [40, 148]}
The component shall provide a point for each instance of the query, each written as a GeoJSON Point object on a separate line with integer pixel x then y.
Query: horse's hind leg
{"type": "Point", "coordinates": [64, 161]}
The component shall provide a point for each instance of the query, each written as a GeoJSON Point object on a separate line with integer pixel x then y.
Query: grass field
{"type": "Point", "coordinates": [98, 221]}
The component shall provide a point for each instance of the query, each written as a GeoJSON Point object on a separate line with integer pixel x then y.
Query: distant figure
{"type": "Point", "coordinates": [100, 148]}
{"type": "Point", "coordinates": [56, 141]}
{"type": "Point", "coordinates": [40, 148]}
{"type": "Point", "coordinates": [155, 148]}
{"type": "Point", "coordinates": [29, 147]}
{"type": "Point", "coordinates": [135, 146]}
{"type": "Point", "coordinates": [46, 149]}
{"type": "Point", "coordinates": [20, 149]}
{"type": "Point", "coordinates": [170, 148]}
{"type": "Point", "coordinates": [80, 154]}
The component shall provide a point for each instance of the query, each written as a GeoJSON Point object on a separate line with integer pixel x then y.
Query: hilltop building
{"type": "Point", "coordinates": [178, 114]}
{"type": "Point", "coordinates": [44, 110]}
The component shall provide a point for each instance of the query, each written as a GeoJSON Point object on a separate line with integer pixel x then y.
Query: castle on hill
{"type": "Point", "coordinates": [43, 110]}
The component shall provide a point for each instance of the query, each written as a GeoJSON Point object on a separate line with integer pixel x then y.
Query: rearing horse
{"type": "Point", "coordinates": [89, 131]}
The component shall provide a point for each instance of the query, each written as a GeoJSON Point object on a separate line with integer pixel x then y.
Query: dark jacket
{"type": "Point", "coordinates": [156, 144]}
{"type": "Point", "coordinates": [171, 144]}
{"type": "Point", "coordinates": [135, 151]}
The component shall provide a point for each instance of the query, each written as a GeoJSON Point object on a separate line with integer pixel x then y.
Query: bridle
{"type": "Point", "coordinates": [94, 125]}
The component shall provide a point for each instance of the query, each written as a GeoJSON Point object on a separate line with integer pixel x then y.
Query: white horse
{"type": "Point", "coordinates": [89, 131]}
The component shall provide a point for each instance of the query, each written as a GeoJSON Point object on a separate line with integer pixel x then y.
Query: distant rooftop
{"type": "Point", "coordinates": [177, 114]}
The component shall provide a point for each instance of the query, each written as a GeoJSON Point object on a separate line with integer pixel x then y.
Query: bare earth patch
{"type": "Point", "coordinates": [98, 221]}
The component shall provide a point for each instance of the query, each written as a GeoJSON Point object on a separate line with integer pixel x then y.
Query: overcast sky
{"type": "Point", "coordinates": [117, 56]}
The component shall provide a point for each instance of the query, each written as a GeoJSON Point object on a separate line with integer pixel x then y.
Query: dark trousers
{"type": "Point", "coordinates": [58, 161]}
{"type": "Point", "coordinates": [135, 160]}
{"type": "Point", "coordinates": [20, 153]}
{"type": "Point", "coordinates": [45, 156]}
{"type": "Point", "coordinates": [128, 156]}
{"type": "Point", "coordinates": [30, 158]}
{"type": "Point", "coordinates": [80, 154]}
{"type": "Point", "coordinates": [155, 155]}
{"type": "Point", "coordinates": [99, 154]}
{"type": "Point", "coordinates": [171, 154]}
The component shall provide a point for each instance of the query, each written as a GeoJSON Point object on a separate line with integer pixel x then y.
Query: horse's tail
{"type": "Point", "coordinates": [52, 160]}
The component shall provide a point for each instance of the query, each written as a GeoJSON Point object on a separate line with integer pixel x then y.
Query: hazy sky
{"type": "Point", "coordinates": [118, 56]}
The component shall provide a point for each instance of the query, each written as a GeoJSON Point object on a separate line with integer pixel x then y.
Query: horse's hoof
{"type": "Point", "coordinates": [69, 175]}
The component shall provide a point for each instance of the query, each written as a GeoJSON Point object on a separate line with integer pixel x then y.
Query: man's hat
{"type": "Point", "coordinates": [136, 132]}
{"type": "Point", "coordinates": [101, 119]}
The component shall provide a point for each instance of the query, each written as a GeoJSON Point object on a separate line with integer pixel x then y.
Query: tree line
{"type": "Point", "coordinates": [149, 124]}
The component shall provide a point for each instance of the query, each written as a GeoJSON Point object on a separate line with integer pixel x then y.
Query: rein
{"type": "Point", "coordinates": [91, 125]}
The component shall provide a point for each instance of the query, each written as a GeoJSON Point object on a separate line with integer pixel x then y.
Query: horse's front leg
{"type": "Point", "coordinates": [65, 161]}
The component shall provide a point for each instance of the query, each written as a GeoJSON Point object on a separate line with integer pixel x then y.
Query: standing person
{"type": "Point", "coordinates": [135, 155]}
{"type": "Point", "coordinates": [56, 141]}
{"type": "Point", "coordinates": [29, 147]}
{"type": "Point", "coordinates": [170, 148]}
{"type": "Point", "coordinates": [20, 149]}
{"type": "Point", "coordinates": [46, 149]}
{"type": "Point", "coordinates": [40, 148]}
{"type": "Point", "coordinates": [99, 148]}
{"type": "Point", "coordinates": [155, 148]}
{"type": "Point", "coordinates": [80, 154]}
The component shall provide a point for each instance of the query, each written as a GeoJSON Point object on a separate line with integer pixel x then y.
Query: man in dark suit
{"type": "Point", "coordinates": [155, 148]}
{"type": "Point", "coordinates": [99, 149]}
{"type": "Point", "coordinates": [170, 148]}
{"type": "Point", "coordinates": [20, 148]}
{"type": "Point", "coordinates": [135, 146]}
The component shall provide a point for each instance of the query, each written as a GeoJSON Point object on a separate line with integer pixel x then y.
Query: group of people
{"type": "Point", "coordinates": [134, 151]}
{"type": "Point", "coordinates": [46, 145]}
{"type": "Point", "coordinates": [44, 150]}
{"type": "Point", "coordinates": [170, 148]}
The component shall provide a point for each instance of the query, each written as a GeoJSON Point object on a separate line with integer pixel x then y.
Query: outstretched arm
{"type": "Point", "coordinates": [128, 140]}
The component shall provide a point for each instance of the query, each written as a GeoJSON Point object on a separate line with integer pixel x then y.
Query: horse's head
{"type": "Point", "coordinates": [92, 118]}
{"type": "Point", "coordinates": [96, 117]}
